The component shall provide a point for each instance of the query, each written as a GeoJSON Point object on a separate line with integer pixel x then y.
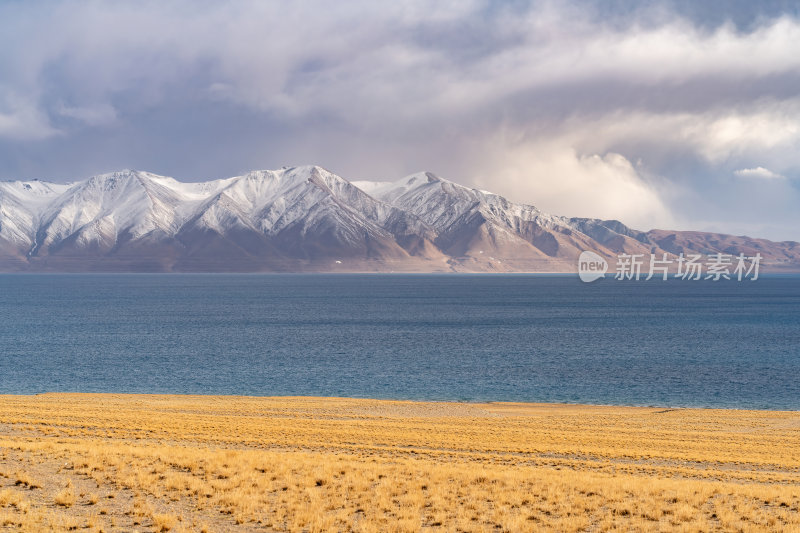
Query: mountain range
{"type": "Point", "coordinates": [307, 219]}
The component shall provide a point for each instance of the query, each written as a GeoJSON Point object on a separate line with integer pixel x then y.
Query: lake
{"type": "Point", "coordinates": [533, 338]}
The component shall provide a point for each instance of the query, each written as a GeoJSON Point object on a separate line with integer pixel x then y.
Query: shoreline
{"type": "Point", "coordinates": [409, 400]}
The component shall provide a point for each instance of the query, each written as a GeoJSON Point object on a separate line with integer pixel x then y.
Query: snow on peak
{"type": "Point", "coordinates": [443, 203]}
{"type": "Point", "coordinates": [20, 205]}
{"type": "Point", "coordinates": [129, 204]}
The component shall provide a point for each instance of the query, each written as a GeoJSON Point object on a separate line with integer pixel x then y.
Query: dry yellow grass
{"type": "Point", "coordinates": [189, 463]}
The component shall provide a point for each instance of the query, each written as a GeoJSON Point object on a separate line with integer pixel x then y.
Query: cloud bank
{"type": "Point", "coordinates": [652, 115]}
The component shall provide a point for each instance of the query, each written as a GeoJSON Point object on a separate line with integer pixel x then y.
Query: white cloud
{"type": "Point", "coordinates": [557, 179]}
{"type": "Point", "coordinates": [758, 173]}
{"type": "Point", "coordinates": [766, 128]}
{"type": "Point", "coordinates": [346, 58]}
{"type": "Point", "coordinates": [775, 126]}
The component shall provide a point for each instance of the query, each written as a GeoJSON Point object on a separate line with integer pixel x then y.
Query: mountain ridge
{"type": "Point", "coordinates": [308, 219]}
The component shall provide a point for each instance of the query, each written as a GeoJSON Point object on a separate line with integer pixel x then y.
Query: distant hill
{"type": "Point", "coordinates": [307, 219]}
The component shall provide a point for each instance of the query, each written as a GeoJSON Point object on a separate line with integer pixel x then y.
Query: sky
{"type": "Point", "coordinates": [672, 114]}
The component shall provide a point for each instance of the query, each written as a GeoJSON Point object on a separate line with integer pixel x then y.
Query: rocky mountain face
{"type": "Point", "coordinates": [309, 219]}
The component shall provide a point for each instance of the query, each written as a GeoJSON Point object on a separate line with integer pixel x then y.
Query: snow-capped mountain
{"type": "Point", "coordinates": [309, 219]}
{"type": "Point", "coordinates": [21, 203]}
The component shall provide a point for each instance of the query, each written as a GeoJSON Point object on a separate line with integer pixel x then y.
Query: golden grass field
{"type": "Point", "coordinates": [91, 462]}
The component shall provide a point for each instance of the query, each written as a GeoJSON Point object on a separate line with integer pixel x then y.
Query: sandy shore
{"type": "Point", "coordinates": [86, 462]}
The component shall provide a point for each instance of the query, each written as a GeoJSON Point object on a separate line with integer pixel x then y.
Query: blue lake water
{"type": "Point", "coordinates": [441, 337]}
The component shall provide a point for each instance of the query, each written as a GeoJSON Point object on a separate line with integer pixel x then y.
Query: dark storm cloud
{"type": "Point", "coordinates": [657, 113]}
